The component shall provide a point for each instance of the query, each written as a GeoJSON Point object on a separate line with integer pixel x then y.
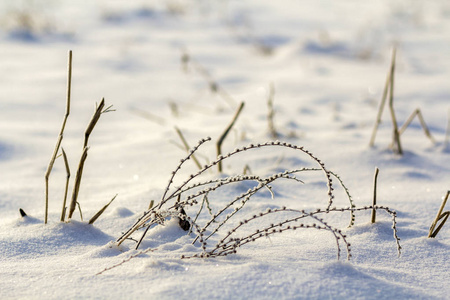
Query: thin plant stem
{"type": "Point", "coordinates": [66, 163]}
{"type": "Point", "coordinates": [380, 109]}
{"type": "Point", "coordinates": [101, 211]}
{"type": "Point", "coordinates": [98, 112]}
{"type": "Point", "coordinates": [93, 122]}
{"type": "Point", "coordinates": [419, 115]}
{"type": "Point", "coordinates": [60, 136]}
{"type": "Point", "coordinates": [186, 59]}
{"type": "Point", "coordinates": [271, 112]}
{"type": "Point", "coordinates": [150, 206]}
{"type": "Point", "coordinates": [186, 146]}
{"type": "Point", "coordinates": [374, 201]}
{"type": "Point", "coordinates": [447, 131]}
{"type": "Point", "coordinates": [79, 210]}
{"type": "Point", "coordinates": [148, 116]}
{"type": "Point", "coordinates": [224, 135]}
{"type": "Point", "coordinates": [76, 187]}
{"type": "Point", "coordinates": [433, 232]}
{"type": "Point", "coordinates": [395, 133]}
{"type": "Point", "coordinates": [126, 260]}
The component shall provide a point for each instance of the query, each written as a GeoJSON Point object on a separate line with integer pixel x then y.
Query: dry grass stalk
{"type": "Point", "coordinates": [447, 131]}
{"type": "Point", "coordinates": [271, 113]}
{"type": "Point", "coordinates": [224, 135]}
{"type": "Point", "coordinates": [381, 108]}
{"type": "Point", "coordinates": [66, 189]}
{"type": "Point", "coordinates": [174, 109]}
{"type": "Point", "coordinates": [214, 87]}
{"type": "Point", "coordinates": [187, 148]}
{"type": "Point", "coordinates": [397, 147]}
{"type": "Point", "coordinates": [60, 136]}
{"type": "Point", "coordinates": [419, 115]}
{"type": "Point", "coordinates": [127, 260]}
{"type": "Point", "coordinates": [440, 215]}
{"type": "Point", "coordinates": [101, 211]}
{"type": "Point", "coordinates": [150, 206]}
{"type": "Point", "coordinates": [148, 116]}
{"type": "Point", "coordinates": [22, 213]}
{"type": "Point", "coordinates": [247, 170]}
{"type": "Point", "coordinates": [374, 201]}
{"type": "Point", "coordinates": [388, 88]}
{"type": "Point", "coordinates": [396, 131]}
{"type": "Point", "coordinates": [76, 186]}
{"type": "Point", "coordinates": [98, 112]}
{"type": "Point", "coordinates": [79, 210]}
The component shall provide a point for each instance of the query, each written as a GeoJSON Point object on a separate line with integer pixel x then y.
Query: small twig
{"type": "Point", "coordinates": [271, 113]}
{"type": "Point", "coordinates": [433, 232]}
{"type": "Point", "coordinates": [99, 110]}
{"type": "Point", "coordinates": [66, 163]}
{"type": "Point", "coordinates": [22, 213]}
{"type": "Point", "coordinates": [374, 201]}
{"type": "Point", "coordinates": [79, 209]}
{"type": "Point", "coordinates": [60, 136]}
{"type": "Point", "coordinates": [214, 87]}
{"type": "Point", "coordinates": [447, 131]}
{"type": "Point", "coordinates": [419, 115]}
{"type": "Point", "coordinates": [148, 116]}
{"type": "Point", "coordinates": [76, 187]}
{"type": "Point", "coordinates": [174, 109]}
{"type": "Point", "coordinates": [247, 170]}
{"type": "Point", "coordinates": [150, 206]}
{"type": "Point", "coordinates": [100, 212]}
{"type": "Point", "coordinates": [380, 109]}
{"type": "Point", "coordinates": [225, 133]}
{"type": "Point", "coordinates": [395, 133]}
{"type": "Point", "coordinates": [127, 260]}
{"type": "Point", "coordinates": [142, 237]}
{"type": "Point", "coordinates": [187, 147]}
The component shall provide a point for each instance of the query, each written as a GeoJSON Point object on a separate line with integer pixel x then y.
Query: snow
{"type": "Point", "coordinates": [327, 61]}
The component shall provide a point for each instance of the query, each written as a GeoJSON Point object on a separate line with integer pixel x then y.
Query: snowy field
{"type": "Point", "coordinates": [188, 65]}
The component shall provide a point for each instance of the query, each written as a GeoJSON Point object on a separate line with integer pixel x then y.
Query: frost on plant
{"type": "Point", "coordinates": [221, 228]}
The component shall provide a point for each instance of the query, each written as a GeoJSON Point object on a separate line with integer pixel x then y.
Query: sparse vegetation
{"type": "Point", "coordinates": [441, 216]}
{"type": "Point", "coordinates": [187, 201]}
{"type": "Point", "coordinates": [396, 131]}
{"type": "Point", "coordinates": [76, 187]}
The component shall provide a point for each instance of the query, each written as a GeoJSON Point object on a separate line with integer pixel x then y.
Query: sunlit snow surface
{"type": "Point", "coordinates": [327, 61]}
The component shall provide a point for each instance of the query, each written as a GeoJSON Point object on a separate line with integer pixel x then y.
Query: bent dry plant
{"type": "Point", "coordinates": [220, 228]}
{"type": "Point", "coordinates": [441, 216]}
{"type": "Point", "coordinates": [396, 131]}
{"type": "Point", "coordinates": [100, 109]}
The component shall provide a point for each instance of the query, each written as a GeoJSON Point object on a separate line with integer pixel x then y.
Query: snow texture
{"type": "Point", "coordinates": [327, 61]}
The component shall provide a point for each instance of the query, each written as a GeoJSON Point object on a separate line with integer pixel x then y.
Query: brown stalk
{"type": "Point", "coordinates": [374, 201]}
{"type": "Point", "coordinates": [419, 115]}
{"type": "Point", "coordinates": [444, 216]}
{"type": "Point", "coordinates": [98, 112]}
{"type": "Point", "coordinates": [187, 148]}
{"type": "Point", "coordinates": [66, 163]}
{"type": "Point", "coordinates": [101, 211]}
{"type": "Point", "coordinates": [273, 132]}
{"type": "Point", "coordinates": [76, 187]}
{"type": "Point", "coordinates": [447, 131]}
{"type": "Point", "coordinates": [93, 122]}
{"type": "Point", "coordinates": [395, 133]}
{"type": "Point", "coordinates": [224, 135]}
{"type": "Point", "coordinates": [380, 108]}
{"type": "Point", "coordinates": [60, 136]}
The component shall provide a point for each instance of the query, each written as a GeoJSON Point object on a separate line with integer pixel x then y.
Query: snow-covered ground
{"type": "Point", "coordinates": [327, 62]}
